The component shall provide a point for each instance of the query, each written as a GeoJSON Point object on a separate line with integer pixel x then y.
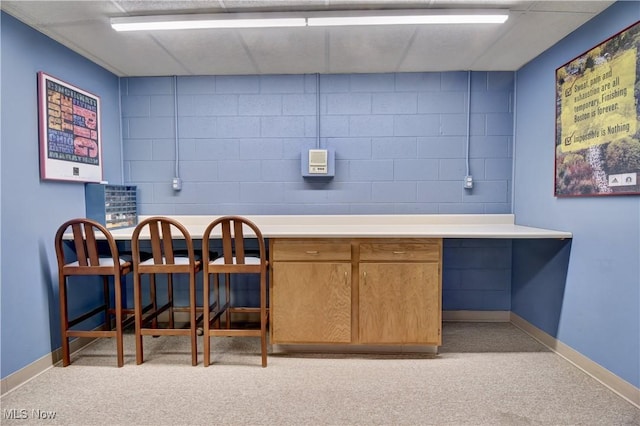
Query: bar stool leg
{"type": "Point", "coordinates": [107, 303]}
{"type": "Point", "coordinates": [217, 298]}
{"type": "Point", "coordinates": [170, 296]}
{"type": "Point", "coordinates": [192, 319]}
{"type": "Point", "coordinates": [263, 319]}
{"type": "Point", "coordinates": [205, 319]}
{"type": "Point", "coordinates": [227, 291]}
{"type": "Point", "coordinates": [64, 320]}
{"type": "Point", "coordinates": [118, 302]}
{"type": "Point", "coordinates": [154, 299]}
{"type": "Point", "coordinates": [138, 318]}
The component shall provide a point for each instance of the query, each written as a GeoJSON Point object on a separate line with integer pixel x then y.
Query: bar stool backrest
{"type": "Point", "coordinates": [162, 233]}
{"type": "Point", "coordinates": [232, 234]}
{"type": "Point", "coordinates": [86, 233]}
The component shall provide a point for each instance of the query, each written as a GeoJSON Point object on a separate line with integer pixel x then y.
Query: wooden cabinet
{"type": "Point", "coordinates": [310, 291]}
{"type": "Point", "coordinates": [356, 291]}
{"type": "Point", "coordinates": [400, 293]}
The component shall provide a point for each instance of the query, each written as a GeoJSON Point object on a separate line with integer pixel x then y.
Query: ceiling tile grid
{"type": "Point", "coordinates": [84, 27]}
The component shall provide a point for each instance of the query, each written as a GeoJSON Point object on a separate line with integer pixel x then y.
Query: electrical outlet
{"type": "Point", "coordinates": [176, 184]}
{"type": "Point", "coordinates": [468, 182]}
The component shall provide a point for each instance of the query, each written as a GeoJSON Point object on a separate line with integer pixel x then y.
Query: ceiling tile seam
{"type": "Point", "coordinates": [248, 52]}
{"type": "Point", "coordinates": [405, 51]}
{"type": "Point", "coordinates": [529, 7]}
{"type": "Point", "coordinates": [20, 15]}
{"type": "Point", "coordinates": [503, 34]}
{"type": "Point", "coordinates": [327, 51]}
{"type": "Point", "coordinates": [56, 37]}
{"type": "Point", "coordinates": [507, 31]}
{"type": "Point", "coordinates": [161, 46]}
{"type": "Point", "coordinates": [118, 6]}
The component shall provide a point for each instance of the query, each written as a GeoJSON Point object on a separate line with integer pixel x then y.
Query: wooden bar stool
{"type": "Point", "coordinates": [233, 261]}
{"type": "Point", "coordinates": [89, 262]}
{"type": "Point", "coordinates": [162, 233]}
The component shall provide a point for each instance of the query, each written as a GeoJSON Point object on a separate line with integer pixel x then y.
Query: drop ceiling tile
{"type": "Point", "coordinates": [449, 47]}
{"type": "Point", "coordinates": [287, 51]}
{"type": "Point", "coordinates": [574, 6]}
{"type": "Point", "coordinates": [359, 49]}
{"type": "Point", "coordinates": [46, 13]}
{"type": "Point", "coordinates": [151, 7]}
{"type": "Point", "coordinates": [208, 52]}
{"type": "Point", "coordinates": [550, 28]}
{"type": "Point", "coordinates": [125, 54]}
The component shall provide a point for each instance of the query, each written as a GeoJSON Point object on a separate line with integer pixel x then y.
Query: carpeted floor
{"type": "Point", "coordinates": [485, 374]}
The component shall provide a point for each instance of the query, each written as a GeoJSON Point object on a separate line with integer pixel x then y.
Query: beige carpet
{"type": "Point", "coordinates": [485, 374]}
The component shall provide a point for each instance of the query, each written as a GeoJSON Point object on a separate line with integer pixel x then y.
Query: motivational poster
{"type": "Point", "coordinates": [597, 111]}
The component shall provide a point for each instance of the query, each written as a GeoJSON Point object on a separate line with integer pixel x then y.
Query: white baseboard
{"type": "Point", "coordinates": [39, 366]}
{"type": "Point", "coordinates": [618, 385]}
{"type": "Point", "coordinates": [476, 316]}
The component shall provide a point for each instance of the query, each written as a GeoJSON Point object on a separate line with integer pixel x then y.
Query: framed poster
{"type": "Point", "coordinates": [597, 110]}
{"type": "Point", "coordinates": [69, 125]}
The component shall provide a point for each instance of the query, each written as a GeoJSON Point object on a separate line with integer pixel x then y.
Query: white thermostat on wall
{"type": "Point", "coordinates": [318, 161]}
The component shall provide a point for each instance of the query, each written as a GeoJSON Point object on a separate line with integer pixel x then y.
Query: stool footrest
{"type": "Point", "coordinates": [245, 309]}
{"type": "Point", "coordinates": [233, 332]}
{"type": "Point", "coordinates": [91, 333]}
{"type": "Point", "coordinates": [165, 331]}
{"type": "Point", "coordinates": [88, 315]}
{"type": "Point", "coordinates": [153, 315]}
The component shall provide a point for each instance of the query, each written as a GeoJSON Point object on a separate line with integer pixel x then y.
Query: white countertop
{"type": "Point", "coordinates": [374, 226]}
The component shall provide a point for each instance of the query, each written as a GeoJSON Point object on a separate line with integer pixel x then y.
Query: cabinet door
{"type": "Point", "coordinates": [399, 303]}
{"type": "Point", "coordinates": [311, 302]}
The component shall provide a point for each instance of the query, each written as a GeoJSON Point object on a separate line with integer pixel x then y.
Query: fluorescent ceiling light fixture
{"type": "Point", "coordinates": [301, 19]}
{"type": "Point", "coordinates": [195, 22]}
{"type": "Point", "coordinates": [406, 20]}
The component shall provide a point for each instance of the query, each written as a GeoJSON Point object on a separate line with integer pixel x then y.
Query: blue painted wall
{"type": "Point", "coordinates": [33, 209]}
{"type": "Point", "coordinates": [599, 315]}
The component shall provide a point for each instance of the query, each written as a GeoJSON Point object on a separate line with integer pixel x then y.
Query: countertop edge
{"type": "Point", "coordinates": [374, 226]}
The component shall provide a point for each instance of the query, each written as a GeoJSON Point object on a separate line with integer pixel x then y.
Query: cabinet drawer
{"type": "Point", "coordinates": [428, 251]}
{"type": "Point", "coordinates": [310, 250]}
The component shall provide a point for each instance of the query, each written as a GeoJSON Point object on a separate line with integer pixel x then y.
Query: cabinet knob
{"type": "Point", "coordinates": [399, 252]}
{"type": "Point", "coordinates": [314, 252]}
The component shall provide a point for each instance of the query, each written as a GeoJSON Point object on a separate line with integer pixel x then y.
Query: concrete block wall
{"type": "Point", "coordinates": [400, 144]}
{"type": "Point", "coordinates": [476, 274]}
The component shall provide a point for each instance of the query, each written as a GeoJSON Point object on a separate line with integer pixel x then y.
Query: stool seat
{"type": "Point", "coordinates": [176, 261]}
{"type": "Point", "coordinates": [247, 261]}
{"type": "Point", "coordinates": [103, 261]}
